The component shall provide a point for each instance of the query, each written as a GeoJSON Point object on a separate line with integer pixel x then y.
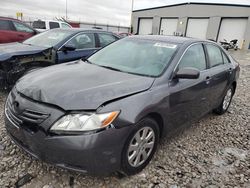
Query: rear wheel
{"type": "Point", "coordinates": [225, 102]}
{"type": "Point", "coordinates": [140, 146]}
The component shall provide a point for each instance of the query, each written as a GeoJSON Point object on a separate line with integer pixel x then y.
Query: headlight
{"type": "Point", "coordinates": [83, 122]}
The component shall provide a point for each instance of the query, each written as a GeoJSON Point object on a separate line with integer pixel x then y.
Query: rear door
{"type": "Point", "coordinates": [188, 97]}
{"type": "Point", "coordinates": [23, 32]}
{"type": "Point", "coordinates": [220, 70]}
{"type": "Point", "coordinates": [7, 32]}
{"type": "Point", "coordinates": [84, 44]}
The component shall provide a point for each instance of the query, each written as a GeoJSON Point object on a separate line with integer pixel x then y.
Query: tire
{"type": "Point", "coordinates": [224, 105]}
{"type": "Point", "coordinates": [148, 145]}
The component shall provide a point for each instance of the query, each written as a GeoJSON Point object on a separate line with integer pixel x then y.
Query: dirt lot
{"type": "Point", "coordinates": [214, 152]}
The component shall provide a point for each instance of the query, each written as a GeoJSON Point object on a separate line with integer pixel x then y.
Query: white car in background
{"type": "Point", "coordinates": [43, 25]}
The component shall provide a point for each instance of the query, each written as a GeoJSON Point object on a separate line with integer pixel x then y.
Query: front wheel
{"type": "Point", "coordinates": [226, 102]}
{"type": "Point", "coordinates": [140, 146]}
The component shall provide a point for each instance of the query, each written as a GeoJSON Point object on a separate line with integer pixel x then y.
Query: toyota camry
{"type": "Point", "coordinates": [107, 113]}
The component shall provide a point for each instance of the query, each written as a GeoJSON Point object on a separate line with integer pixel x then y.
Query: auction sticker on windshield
{"type": "Point", "coordinates": [165, 45]}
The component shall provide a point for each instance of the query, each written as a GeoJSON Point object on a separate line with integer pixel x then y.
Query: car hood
{"type": "Point", "coordinates": [80, 86]}
{"type": "Point", "coordinates": [16, 49]}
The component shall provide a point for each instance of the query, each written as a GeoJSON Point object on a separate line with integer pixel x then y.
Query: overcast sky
{"type": "Point", "coordinates": [115, 12]}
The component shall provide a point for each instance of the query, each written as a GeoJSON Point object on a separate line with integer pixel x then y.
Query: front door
{"type": "Point", "coordinates": [188, 97]}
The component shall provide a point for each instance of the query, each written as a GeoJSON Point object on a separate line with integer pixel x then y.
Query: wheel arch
{"type": "Point", "coordinates": [234, 84]}
{"type": "Point", "coordinates": [159, 120]}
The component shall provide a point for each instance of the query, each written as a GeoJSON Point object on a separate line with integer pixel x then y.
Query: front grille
{"type": "Point", "coordinates": [25, 118]}
{"type": "Point", "coordinates": [17, 121]}
{"type": "Point", "coordinates": [33, 116]}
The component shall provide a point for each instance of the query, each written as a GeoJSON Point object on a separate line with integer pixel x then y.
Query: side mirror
{"type": "Point", "coordinates": [68, 47]}
{"type": "Point", "coordinates": [187, 73]}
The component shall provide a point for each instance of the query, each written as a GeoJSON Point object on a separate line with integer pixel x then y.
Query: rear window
{"type": "Point", "coordinates": [5, 25]}
{"type": "Point", "coordinates": [39, 25]}
{"type": "Point", "coordinates": [53, 25]}
{"type": "Point", "coordinates": [214, 54]}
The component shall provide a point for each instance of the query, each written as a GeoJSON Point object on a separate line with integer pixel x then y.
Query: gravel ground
{"type": "Point", "coordinates": [214, 152]}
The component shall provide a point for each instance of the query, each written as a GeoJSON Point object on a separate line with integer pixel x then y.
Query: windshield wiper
{"type": "Point", "coordinates": [111, 68]}
{"type": "Point", "coordinates": [86, 60]}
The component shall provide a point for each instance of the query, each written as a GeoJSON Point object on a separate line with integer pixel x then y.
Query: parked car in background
{"type": "Point", "coordinates": [123, 34]}
{"type": "Point", "coordinates": [49, 48]}
{"type": "Point", "coordinates": [13, 30]}
{"type": "Point", "coordinates": [108, 113]}
{"type": "Point", "coordinates": [43, 25]}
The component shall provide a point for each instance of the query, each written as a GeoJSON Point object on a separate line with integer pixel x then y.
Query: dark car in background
{"type": "Point", "coordinates": [13, 30]}
{"type": "Point", "coordinates": [123, 34]}
{"type": "Point", "coordinates": [107, 113]}
{"type": "Point", "coordinates": [49, 48]}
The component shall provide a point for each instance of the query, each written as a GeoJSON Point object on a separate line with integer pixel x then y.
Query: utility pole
{"type": "Point", "coordinates": [132, 8]}
{"type": "Point", "coordinates": [66, 9]}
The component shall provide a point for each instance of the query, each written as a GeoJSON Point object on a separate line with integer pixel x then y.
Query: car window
{"type": "Point", "coordinates": [53, 25]}
{"type": "Point", "coordinates": [136, 56]}
{"type": "Point", "coordinates": [225, 58]}
{"type": "Point", "coordinates": [105, 39]}
{"type": "Point", "coordinates": [214, 54]}
{"type": "Point", "coordinates": [65, 25]}
{"type": "Point", "coordinates": [39, 25]}
{"type": "Point", "coordinates": [194, 57]}
{"type": "Point", "coordinates": [83, 41]}
{"type": "Point", "coordinates": [5, 25]}
{"type": "Point", "coordinates": [49, 38]}
{"type": "Point", "coordinates": [22, 28]}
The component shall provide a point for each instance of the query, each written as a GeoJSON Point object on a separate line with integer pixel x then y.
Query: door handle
{"type": "Point", "coordinates": [21, 35]}
{"type": "Point", "coordinates": [230, 70]}
{"type": "Point", "coordinates": [208, 78]}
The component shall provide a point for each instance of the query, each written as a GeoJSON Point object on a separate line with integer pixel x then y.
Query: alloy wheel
{"type": "Point", "coordinates": [227, 99]}
{"type": "Point", "coordinates": [141, 146]}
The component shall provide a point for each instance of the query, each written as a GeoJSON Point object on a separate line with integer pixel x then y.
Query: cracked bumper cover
{"type": "Point", "coordinates": [96, 154]}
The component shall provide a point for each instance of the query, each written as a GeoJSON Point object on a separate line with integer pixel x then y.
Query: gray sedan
{"type": "Point", "coordinates": [108, 112]}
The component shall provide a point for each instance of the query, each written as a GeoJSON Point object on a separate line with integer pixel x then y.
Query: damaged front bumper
{"type": "Point", "coordinates": [96, 154]}
{"type": "Point", "coordinates": [14, 67]}
{"type": "Point", "coordinates": [9, 78]}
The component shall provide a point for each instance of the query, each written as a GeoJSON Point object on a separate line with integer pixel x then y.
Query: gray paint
{"type": "Point", "coordinates": [215, 13]}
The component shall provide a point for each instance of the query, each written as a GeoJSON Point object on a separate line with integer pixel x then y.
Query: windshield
{"type": "Point", "coordinates": [137, 56]}
{"type": "Point", "coordinates": [49, 38]}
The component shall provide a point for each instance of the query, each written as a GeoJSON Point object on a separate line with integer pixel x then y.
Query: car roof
{"type": "Point", "coordinates": [8, 18]}
{"type": "Point", "coordinates": [39, 20]}
{"type": "Point", "coordinates": [166, 38]}
{"type": "Point", "coordinates": [78, 30]}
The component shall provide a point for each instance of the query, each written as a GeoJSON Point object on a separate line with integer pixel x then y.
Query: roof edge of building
{"type": "Point", "coordinates": [194, 3]}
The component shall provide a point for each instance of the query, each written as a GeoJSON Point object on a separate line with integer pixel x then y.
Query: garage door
{"type": "Point", "coordinates": [233, 29]}
{"type": "Point", "coordinates": [197, 28]}
{"type": "Point", "coordinates": [145, 26]}
{"type": "Point", "coordinates": [168, 26]}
